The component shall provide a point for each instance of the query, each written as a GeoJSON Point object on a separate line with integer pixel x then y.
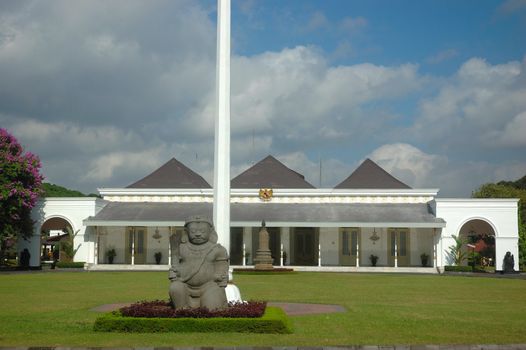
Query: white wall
{"type": "Point", "coordinates": [72, 209]}
{"type": "Point", "coordinates": [329, 242]}
{"type": "Point", "coordinates": [378, 248]}
{"type": "Point", "coordinates": [421, 241]}
{"type": "Point", "coordinates": [501, 214]}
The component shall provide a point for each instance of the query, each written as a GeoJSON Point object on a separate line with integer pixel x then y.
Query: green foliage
{"type": "Point", "coordinates": [457, 268]}
{"type": "Point", "coordinates": [20, 186]}
{"type": "Point", "coordinates": [70, 265]}
{"type": "Point", "coordinates": [510, 189]}
{"type": "Point", "coordinates": [66, 245]}
{"type": "Point", "coordinates": [273, 321]}
{"type": "Point", "coordinates": [52, 190]}
{"type": "Point", "coordinates": [456, 254]}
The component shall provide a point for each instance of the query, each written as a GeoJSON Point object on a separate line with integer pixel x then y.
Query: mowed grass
{"type": "Point", "coordinates": [53, 309]}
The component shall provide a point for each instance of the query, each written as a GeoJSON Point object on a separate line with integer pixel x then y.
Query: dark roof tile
{"type": "Point", "coordinates": [173, 174]}
{"type": "Point", "coordinates": [270, 173]}
{"type": "Point", "coordinates": [370, 175]}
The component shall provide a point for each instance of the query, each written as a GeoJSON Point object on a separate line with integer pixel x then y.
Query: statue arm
{"type": "Point", "coordinates": [174, 273]}
{"type": "Point", "coordinates": [221, 267]}
{"type": "Point", "coordinates": [175, 270]}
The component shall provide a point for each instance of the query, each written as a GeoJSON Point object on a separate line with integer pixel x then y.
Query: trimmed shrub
{"type": "Point", "coordinates": [456, 268]}
{"type": "Point", "coordinates": [274, 320]}
{"type": "Point", "coordinates": [70, 265]}
{"type": "Point", "coordinates": [275, 272]}
{"type": "Point", "coordinates": [161, 308]}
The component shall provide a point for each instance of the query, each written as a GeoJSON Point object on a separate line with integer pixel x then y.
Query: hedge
{"type": "Point", "coordinates": [274, 320]}
{"type": "Point", "coordinates": [70, 265]}
{"type": "Point", "coordinates": [455, 268]}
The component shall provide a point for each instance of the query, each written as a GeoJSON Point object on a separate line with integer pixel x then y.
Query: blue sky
{"type": "Point", "coordinates": [106, 91]}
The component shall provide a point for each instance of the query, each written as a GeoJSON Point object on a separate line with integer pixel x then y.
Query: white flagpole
{"type": "Point", "coordinates": [222, 127]}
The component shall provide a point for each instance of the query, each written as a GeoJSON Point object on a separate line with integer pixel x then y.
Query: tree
{"type": "Point", "coordinates": [20, 187]}
{"type": "Point", "coordinates": [455, 253]}
{"type": "Point", "coordinates": [66, 245]}
{"type": "Point", "coordinates": [510, 189]}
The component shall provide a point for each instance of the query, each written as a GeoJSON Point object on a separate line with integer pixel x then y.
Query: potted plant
{"type": "Point", "coordinates": [158, 256]}
{"type": "Point", "coordinates": [374, 259]}
{"type": "Point", "coordinates": [111, 254]}
{"type": "Point", "coordinates": [424, 258]}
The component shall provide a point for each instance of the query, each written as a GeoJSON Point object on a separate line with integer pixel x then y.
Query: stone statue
{"type": "Point", "coordinates": [508, 263]}
{"type": "Point", "coordinates": [199, 271]}
{"type": "Point", "coordinates": [263, 259]}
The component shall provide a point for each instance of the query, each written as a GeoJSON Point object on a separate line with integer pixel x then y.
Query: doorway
{"type": "Point", "coordinates": [305, 246]}
{"type": "Point", "coordinates": [136, 241]}
{"type": "Point", "coordinates": [399, 237]}
{"type": "Point", "coordinates": [349, 241]}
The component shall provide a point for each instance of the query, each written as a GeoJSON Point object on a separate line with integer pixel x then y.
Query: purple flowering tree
{"type": "Point", "coordinates": [20, 187]}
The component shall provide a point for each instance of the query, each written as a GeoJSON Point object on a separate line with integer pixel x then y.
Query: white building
{"type": "Point", "coordinates": [369, 213]}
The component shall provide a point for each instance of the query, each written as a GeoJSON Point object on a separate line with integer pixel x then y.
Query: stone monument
{"type": "Point", "coordinates": [199, 271]}
{"type": "Point", "coordinates": [263, 259]}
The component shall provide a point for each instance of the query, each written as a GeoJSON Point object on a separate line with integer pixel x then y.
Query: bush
{"type": "Point", "coordinates": [162, 309]}
{"type": "Point", "coordinates": [273, 320]}
{"type": "Point", "coordinates": [457, 268]}
{"type": "Point", "coordinates": [70, 265]}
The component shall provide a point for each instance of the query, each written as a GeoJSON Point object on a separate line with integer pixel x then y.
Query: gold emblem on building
{"type": "Point", "coordinates": [265, 194]}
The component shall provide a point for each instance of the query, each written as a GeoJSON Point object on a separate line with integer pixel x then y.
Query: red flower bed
{"type": "Point", "coordinates": [160, 308]}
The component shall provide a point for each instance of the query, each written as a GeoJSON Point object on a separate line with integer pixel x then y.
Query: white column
{"type": "Point", "coordinates": [96, 246]}
{"type": "Point", "coordinates": [133, 247]}
{"type": "Point", "coordinates": [281, 254]}
{"type": "Point", "coordinates": [319, 254]}
{"type": "Point", "coordinates": [247, 243]}
{"type": "Point", "coordinates": [358, 250]}
{"type": "Point", "coordinates": [222, 127]}
{"type": "Point", "coordinates": [434, 247]}
{"type": "Point", "coordinates": [169, 246]}
{"type": "Point", "coordinates": [396, 251]}
{"type": "Point", "coordinates": [244, 262]}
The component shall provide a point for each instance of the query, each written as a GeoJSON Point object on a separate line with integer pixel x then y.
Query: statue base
{"type": "Point", "coordinates": [263, 260]}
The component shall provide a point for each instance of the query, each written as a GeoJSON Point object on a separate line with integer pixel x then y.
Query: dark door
{"type": "Point", "coordinates": [305, 247]}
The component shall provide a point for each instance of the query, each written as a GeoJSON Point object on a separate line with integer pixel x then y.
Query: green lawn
{"type": "Point", "coordinates": [52, 309]}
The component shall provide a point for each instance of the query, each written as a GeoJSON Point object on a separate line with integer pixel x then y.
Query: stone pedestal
{"type": "Point", "coordinates": [263, 259]}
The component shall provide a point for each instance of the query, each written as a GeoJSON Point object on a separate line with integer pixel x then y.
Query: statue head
{"type": "Point", "coordinates": [199, 230]}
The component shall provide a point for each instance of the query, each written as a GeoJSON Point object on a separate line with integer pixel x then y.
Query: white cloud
{"type": "Point", "coordinates": [473, 108]}
{"type": "Point", "coordinates": [104, 167]}
{"type": "Point", "coordinates": [514, 133]}
{"type": "Point", "coordinates": [419, 169]}
{"type": "Point", "coordinates": [408, 163]}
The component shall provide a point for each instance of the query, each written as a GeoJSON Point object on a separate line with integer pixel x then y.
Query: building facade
{"type": "Point", "coordinates": [370, 218]}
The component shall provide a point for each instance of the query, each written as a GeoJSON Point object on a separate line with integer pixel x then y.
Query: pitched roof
{"type": "Point", "coordinates": [371, 176]}
{"type": "Point", "coordinates": [270, 173]}
{"type": "Point", "coordinates": [173, 174]}
{"type": "Point", "coordinates": [305, 214]}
